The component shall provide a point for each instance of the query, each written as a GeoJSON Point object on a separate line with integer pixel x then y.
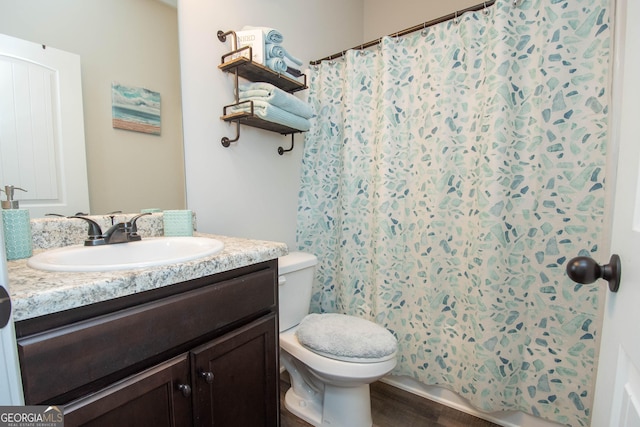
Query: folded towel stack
{"type": "Point", "coordinates": [274, 105]}
{"type": "Point", "coordinates": [276, 56]}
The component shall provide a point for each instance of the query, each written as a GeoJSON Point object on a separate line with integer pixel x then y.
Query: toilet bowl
{"type": "Point", "coordinates": [331, 358]}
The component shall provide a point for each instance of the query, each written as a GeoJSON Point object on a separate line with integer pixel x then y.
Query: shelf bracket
{"type": "Point", "coordinates": [222, 36]}
{"type": "Point", "coordinates": [226, 141]}
{"type": "Point", "coordinates": [281, 150]}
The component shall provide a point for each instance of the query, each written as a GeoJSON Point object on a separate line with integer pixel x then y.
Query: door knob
{"type": "Point", "coordinates": [585, 270]}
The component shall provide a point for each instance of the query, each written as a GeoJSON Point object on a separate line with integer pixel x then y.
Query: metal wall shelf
{"type": "Point", "coordinates": [239, 63]}
{"type": "Point", "coordinates": [248, 119]}
{"type": "Point", "coordinates": [259, 73]}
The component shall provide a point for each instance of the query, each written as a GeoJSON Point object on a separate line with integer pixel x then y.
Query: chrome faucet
{"type": "Point", "coordinates": [121, 232]}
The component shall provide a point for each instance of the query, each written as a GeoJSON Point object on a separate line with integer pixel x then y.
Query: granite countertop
{"type": "Point", "coordinates": [36, 293]}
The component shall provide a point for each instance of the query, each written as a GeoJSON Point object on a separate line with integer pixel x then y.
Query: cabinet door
{"type": "Point", "coordinates": [159, 396]}
{"type": "Point", "coordinates": [235, 377]}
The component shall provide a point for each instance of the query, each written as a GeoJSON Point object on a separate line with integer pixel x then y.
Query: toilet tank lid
{"type": "Point", "coordinates": [295, 261]}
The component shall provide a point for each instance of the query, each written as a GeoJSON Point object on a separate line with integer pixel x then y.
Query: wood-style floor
{"type": "Point", "coordinates": [392, 407]}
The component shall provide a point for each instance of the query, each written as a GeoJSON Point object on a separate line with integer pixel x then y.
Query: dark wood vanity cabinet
{"type": "Point", "coordinates": [159, 396]}
{"type": "Point", "coordinates": [202, 352]}
{"type": "Point", "coordinates": [226, 392]}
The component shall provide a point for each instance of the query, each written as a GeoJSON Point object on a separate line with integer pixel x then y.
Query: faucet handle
{"type": "Point", "coordinates": [134, 227]}
{"type": "Point", "coordinates": [94, 231]}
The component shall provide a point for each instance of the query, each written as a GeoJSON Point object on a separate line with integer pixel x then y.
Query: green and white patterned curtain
{"type": "Point", "coordinates": [447, 179]}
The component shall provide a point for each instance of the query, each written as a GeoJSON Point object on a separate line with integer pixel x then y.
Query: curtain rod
{"type": "Point", "coordinates": [406, 31]}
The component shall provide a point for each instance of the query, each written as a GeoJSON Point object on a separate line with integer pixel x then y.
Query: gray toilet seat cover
{"type": "Point", "coordinates": [344, 336]}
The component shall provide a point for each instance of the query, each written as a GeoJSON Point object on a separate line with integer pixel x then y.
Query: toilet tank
{"type": "Point", "coordinates": [295, 279]}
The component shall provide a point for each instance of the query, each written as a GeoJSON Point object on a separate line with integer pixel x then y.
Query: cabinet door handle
{"type": "Point", "coordinates": [207, 376]}
{"type": "Point", "coordinates": [185, 389]}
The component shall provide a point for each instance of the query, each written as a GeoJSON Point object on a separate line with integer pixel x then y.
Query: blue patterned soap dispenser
{"type": "Point", "coordinates": [16, 226]}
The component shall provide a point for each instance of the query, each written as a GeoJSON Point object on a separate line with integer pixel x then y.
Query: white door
{"type": "Point", "coordinates": [10, 382]}
{"type": "Point", "coordinates": [617, 397]}
{"type": "Point", "coordinates": [42, 128]}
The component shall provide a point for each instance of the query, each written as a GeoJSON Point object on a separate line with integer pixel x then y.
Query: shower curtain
{"type": "Point", "coordinates": [448, 177]}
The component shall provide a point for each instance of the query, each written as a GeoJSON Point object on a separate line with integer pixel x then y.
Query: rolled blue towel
{"type": "Point", "coordinates": [292, 58]}
{"type": "Point", "coordinates": [273, 114]}
{"type": "Point", "coordinates": [270, 35]}
{"type": "Point", "coordinates": [272, 50]}
{"type": "Point", "coordinates": [290, 64]}
{"type": "Point", "coordinates": [277, 65]}
{"type": "Point", "coordinates": [276, 97]}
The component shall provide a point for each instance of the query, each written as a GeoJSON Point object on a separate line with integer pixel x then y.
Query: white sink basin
{"type": "Point", "coordinates": [147, 252]}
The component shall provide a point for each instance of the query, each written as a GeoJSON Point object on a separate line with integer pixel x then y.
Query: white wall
{"type": "Point", "coordinates": [382, 17]}
{"type": "Point", "coordinates": [248, 190]}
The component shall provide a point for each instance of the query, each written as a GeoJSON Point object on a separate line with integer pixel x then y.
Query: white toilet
{"type": "Point", "coordinates": [331, 358]}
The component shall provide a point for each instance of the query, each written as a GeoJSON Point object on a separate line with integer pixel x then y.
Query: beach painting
{"type": "Point", "coordinates": [136, 109]}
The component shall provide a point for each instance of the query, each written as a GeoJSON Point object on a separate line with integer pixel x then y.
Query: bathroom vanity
{"type": "Point", "coordinates": [194, 343]}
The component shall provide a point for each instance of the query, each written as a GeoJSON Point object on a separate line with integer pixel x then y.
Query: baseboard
{"type": "Point", "coordinates": [448, 398]}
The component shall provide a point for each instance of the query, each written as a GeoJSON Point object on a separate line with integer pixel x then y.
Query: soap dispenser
{"type": "Point", "coordinates": [16, 226]}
